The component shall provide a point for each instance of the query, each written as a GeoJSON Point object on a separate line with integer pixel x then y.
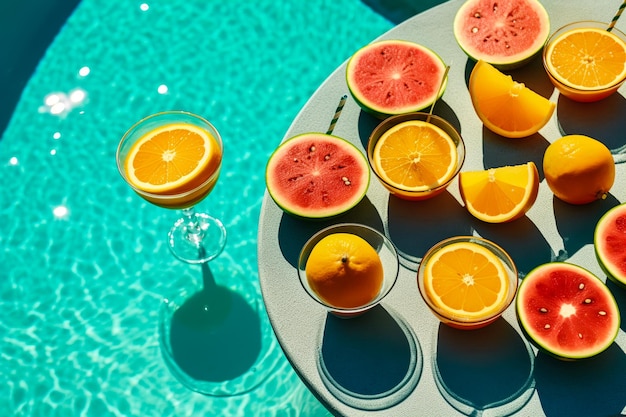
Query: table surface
{"type": "Point", "coordinates": [398, 359]}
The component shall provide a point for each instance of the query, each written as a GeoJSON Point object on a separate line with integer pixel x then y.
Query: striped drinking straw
{"type": "Point", "coordinates": [333, 122]}
{"type": "Point", "coordinates": [617, 15]}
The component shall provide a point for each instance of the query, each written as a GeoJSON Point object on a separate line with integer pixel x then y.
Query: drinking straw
{"type": "Point", "coordinates": [617, 15]}
{"type": "Point", "coordinates": [443, 79]}
{"type": "Point", "coordinates": [333, 122]}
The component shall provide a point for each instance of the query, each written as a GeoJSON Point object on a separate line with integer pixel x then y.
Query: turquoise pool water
{"type": "Point", "coordinates": [84, 260]}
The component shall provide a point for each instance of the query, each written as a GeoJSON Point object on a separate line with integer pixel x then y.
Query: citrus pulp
{"type": "Point", "coordinates": [172, 159]}
{"type": "Point", "coordinates": [465, 281]}
{"type": "Point", "coordinates": [585, 61]}
{"type": "Point", "coordinates": [415, 156]}
{"type": "Point", "coordinates": [505, 106]}
{"type": "Point", "coordinates": [499, 195]}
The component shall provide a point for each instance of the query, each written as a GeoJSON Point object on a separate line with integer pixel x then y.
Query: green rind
{"type": "Point", "coordinates": [613, 274]}
{"type": "Point", "coordinates": [378, 111]}
{"type": "Point", "coordinates": [285, 206]}
{"type": "Point", "coordinates": [503, 65]}
{"type": "Point", "coordinates": [528, 332]}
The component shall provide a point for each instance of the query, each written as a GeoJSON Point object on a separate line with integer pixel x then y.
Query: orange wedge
{"type": "Point", "coordinates": [507, 107]}
{"type": "Point", "coordinates": [415, 156]}
{"type": "Point", "coordinates": [466, 281]}
{"type": "Point", "coordinates": [499, 195]}
{"type": "Point", "coordinates": [587, 59]}
{"type": "Point", "coordinates": [172, 159]}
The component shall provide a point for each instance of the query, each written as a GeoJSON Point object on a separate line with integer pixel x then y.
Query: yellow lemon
{"type": "Point", "coordinates": [579, 169]}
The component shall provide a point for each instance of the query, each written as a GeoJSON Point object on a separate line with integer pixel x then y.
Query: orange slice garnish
{"type": "Point", "coordinates": [172, 159]}
{"type": "Point", "coordinates": [587, 59]}
{"type": "Point", "coordinates": [466, 281]}
{"type": "Point", "coordinates": [415, 156]}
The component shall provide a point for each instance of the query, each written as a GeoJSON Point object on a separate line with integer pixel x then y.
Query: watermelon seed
{"type": "Point", "coordinates": [547, 326]}
{"type": "Point", "coordinates": [543, 310]}
{"type": "Point", "coordinates": [474, 30]}
{"type": "Point", "coordinates": [580, 336]}
{"type": "Point", "coordinates": [477, 15]}
{"type": "Point", "coordinates": [312, 148]}
{"type": "Point", "coordinates": [602, 313]}
{"type": "Point", "coordinates": [326, 157]}
{"type": "Point", "coordinates": [581, 286]}
{"type": "Point", "coordinates": [346, 180]}
{"type": "Point", "coordinates": [587, 300]}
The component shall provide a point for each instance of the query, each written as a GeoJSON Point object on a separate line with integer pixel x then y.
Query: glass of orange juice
{"type": "Point", "coordinates": [467, 281]}
{"type": "Point", "coordinates": [585, 60]}
{"type": "Point", "coordinates": [172, 159]}
{"type": "Point", "coordinates": [415, 155]}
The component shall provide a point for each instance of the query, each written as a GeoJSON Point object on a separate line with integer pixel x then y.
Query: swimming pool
{"type": "Point", "coordinates": [84, 260]}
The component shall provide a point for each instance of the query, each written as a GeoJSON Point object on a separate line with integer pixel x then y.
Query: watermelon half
{"type": "Point", "coordinates": [567, 311]}
{"type": "Point", "coordinates": [507, 33]}
{"type": "Point", "coordinates": [609, 242]}
{"type": "Point", "coordinates": [315, 175]}
{"type": "Point", "coordinates": [395, 77]}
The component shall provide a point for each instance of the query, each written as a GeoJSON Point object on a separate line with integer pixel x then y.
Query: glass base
{"type": "Point", "coordinates": [197, 238]}
{"type": "Point", "coordinates": [215, 340]}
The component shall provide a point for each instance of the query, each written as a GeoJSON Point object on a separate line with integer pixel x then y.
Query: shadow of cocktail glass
{"type": "Point", "coordinates": [370, 362]}
{"type": "Point", "coordinates": [213, 339]}
{"type": "Point", "coordinates": [487, 371]}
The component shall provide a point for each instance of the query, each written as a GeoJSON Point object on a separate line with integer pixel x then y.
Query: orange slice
{"type": "Point", "coordinates": [415, 156]}
{"type": "Point", "coordinates": [507, 107]}
{"type": "Point", "coordinates": [466, 281]}
{"type": "Point", "coordinates": [587, 59]}
{"type": "Point", "coordinates": [499, 195]}
{"type": "Point", "coordinates": [172, 159]}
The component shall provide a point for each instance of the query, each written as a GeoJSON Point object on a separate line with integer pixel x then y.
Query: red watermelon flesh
{"type": "Point", "coordinates": [610, 243]}
{"type": "Point", "coordinates": [567, 311]}
{"type": "Point", "coordinates": [504, 33]}
{"type": "Point", "coordinates": [314, 175]}
{"type": "Point", "coordinates": [394, 77]}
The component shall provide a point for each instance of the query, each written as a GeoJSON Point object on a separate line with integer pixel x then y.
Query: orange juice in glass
{"type": "Point", "coordinates": [586, 61]}
{"type": "Point", "coordinates": [415, 155]}
{"type": "Point", "coordinates": [173, 159]}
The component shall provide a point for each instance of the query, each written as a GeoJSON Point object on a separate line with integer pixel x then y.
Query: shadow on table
{"type": "Point", "coordinates": [370, 362]}
{"type": "Point", "coordinates": [576, 223]}
{"type": "Point", "coordinates": [212, 338]}
{"type": "Point", "coordinates": [484, 369]}
{"type": "Point", "coordinates": [397, 11]}
{"type": "Point", "coordinates": [413, 236]}
{"type": "Point", "coordinates": [586, 388]}
{"type": "Point", "coordinates": [620, 297]}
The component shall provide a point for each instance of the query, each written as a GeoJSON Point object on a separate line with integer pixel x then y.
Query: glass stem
{"type": "Point", "coordinates": [193, 231]}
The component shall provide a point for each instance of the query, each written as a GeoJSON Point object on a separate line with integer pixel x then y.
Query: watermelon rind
{"type": "Point", "coordinates": [605, 231]}
{"type": "Point", "coordinates": [285, 195]}
{"type": "Point", "coordinates": [380, 111]}
{"type": "Point", "coordinates": [593, 302]}
{"type": "Point", "coordinates": [464, 36]}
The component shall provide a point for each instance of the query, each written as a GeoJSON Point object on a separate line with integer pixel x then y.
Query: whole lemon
{"type": "Point", "coordinates": [344, 270]}
{"type": "Point", "coordinates": [579, 169]}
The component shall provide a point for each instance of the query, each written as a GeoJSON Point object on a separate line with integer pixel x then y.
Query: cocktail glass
{"type": "Point", "coordinates": [195, 237]}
